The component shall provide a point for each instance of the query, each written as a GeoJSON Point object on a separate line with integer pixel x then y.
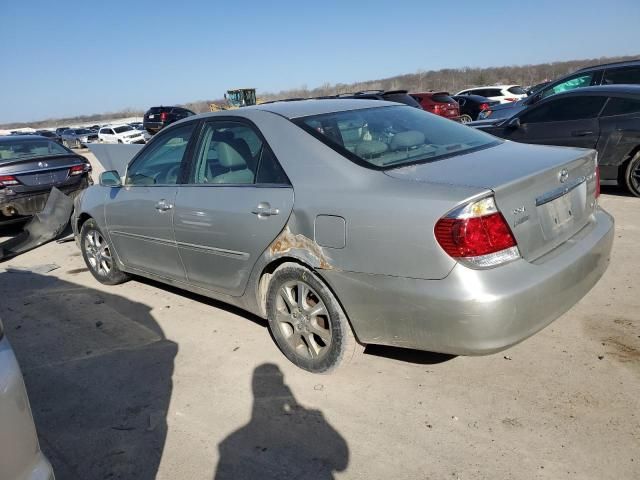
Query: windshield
{"type": "Point", "coordinates": [23, 149]}
{"type": "Point", "coordinates": [124, 128]}
{"type": "Point", "coordinates": [383, 137]}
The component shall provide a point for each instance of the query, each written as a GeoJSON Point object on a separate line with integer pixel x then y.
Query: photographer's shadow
{"type": "Point", "coordinates": [283, 439]}
{"type": "Point", "coordinates": [98, 372]}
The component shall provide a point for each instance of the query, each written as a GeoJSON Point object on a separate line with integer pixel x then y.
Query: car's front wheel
{"type": "Point", "coordinates": [307, 321]}
{"type": "Point", "coordinates": [98, 255]}
{"type": "Point", "coordinates": [631, 175]}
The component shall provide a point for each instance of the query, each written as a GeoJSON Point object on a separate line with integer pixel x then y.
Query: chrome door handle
{"type": "Point", "coordinates": [264, 210]}
{"type": "Point", "coordinates": [163, 206]}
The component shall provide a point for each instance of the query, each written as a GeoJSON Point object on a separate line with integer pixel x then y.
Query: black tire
{"type": "Point", "coordinates": [465, 118]}
{"type": "Point", "coordinates": [88, 245]}
{"type": "Point", "coordinates": [630, 176]}
{"type": "Point", "coordinates": [293, 322]}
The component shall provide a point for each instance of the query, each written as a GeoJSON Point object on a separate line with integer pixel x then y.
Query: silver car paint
{"type": "Point", "coordinates": [21, 458]}
{"type": "Point", "coordinates": [389, 241]}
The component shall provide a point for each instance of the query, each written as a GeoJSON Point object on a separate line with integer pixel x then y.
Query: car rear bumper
{"type": "Point", "coordinates": [32, 203]}
{"type": "Point", "coordinates": [153, 126]}
{"type": "Point", "coordinates": [475, 312]}
{"type": "Point", "coordinates": [21, 455]}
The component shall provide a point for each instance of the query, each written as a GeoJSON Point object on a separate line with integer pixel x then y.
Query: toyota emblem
{"type": "Point", "coordinates": [563, 176]}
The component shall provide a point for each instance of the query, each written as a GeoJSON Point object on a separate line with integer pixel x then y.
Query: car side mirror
{"type": "Point", "coordinates": [110, 178]}
{"type": "Point", "coordinates": [514, 123]}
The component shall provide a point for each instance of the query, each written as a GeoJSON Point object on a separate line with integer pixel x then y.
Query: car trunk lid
{"type": "Point", "coordinates": [546, 194]}
{"type": "Point", "coordinates": [40, 171]}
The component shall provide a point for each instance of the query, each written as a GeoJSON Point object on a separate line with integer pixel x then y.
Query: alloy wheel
{"type": "Point", "coordinates": [635, 177]}
{"type": "Point", "coordinates": [98, 252]}
{"type": "Point", "coordinates": [303, 319]}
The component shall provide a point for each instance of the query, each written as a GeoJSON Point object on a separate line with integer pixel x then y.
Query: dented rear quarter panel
{"type": "Point", "coordinates": [388, 222]}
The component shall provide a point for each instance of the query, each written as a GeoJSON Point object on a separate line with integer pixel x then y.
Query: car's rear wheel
{"type": "Point", "coordinates": [631, 175]}
{"type": "Point", "coordinates": [306, 320]}
{"type": "Point", "coordinates": [98, 255]}
{"type": "Point", "coordinates": [465, 118]}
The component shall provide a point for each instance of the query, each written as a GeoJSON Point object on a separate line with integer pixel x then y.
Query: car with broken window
{"type": "Point", "coordinates": [346, 222]}
{"type": "Point", "coordinates": [30, 166]}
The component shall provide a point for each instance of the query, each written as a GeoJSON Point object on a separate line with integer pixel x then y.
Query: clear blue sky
{"type": "Point", "coordinates": [71, 57]}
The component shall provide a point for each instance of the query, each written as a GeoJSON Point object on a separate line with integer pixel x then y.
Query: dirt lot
{"type": "Point", "coordinates": [143, 381]}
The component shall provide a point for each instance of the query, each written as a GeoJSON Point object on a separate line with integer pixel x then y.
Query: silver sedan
{"type": "Point", "coordinates": [21, 457]}
{"type": "Point", "coordinates": [78, 137]}
{"type": "Point", "coordinates": [349, 222]}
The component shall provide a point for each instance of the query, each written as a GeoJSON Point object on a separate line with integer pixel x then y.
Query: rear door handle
{"type": "Point", "coordinates": [581, 133]}
{"type": "Point", "coordinates": [264, 210]}
{"type": "Point", "coordinates": [163, 206]}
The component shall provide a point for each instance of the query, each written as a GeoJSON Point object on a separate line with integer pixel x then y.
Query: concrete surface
{"type": "Point", "coordinates": [142, 381]}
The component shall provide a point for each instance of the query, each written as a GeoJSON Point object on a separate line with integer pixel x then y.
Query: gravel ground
{"type": "Point", "coordinates": [143, 381]}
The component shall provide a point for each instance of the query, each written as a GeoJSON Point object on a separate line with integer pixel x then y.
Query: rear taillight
{"type": "Point", "coordinates": [484, 106]}
{"type": "Point", "coordinates": [477, 235]}
{"type": "Point", "coordinates": [76, 170]}
{"type": "Point", "coordinates": [597, 192]}
{"type": "Point", "coordinates": [163, 116]}
{"type": "Point", "coordinates": [8, 181]}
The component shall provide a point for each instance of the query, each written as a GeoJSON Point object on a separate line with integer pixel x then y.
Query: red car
{"type": "Point", "coordinates": [439, 103]}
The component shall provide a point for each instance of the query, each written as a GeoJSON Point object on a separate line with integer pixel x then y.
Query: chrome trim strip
{"type": "Point", "coordinates": [559, 192]}
{"type": "Point", "coordinates": [42, 170]}
{"type": "Point", "coordinates": [189, 246]}
{"type": "Point", "coordinates": [144, 237]}
{"type": "Point", "coordinates": [218, 251]}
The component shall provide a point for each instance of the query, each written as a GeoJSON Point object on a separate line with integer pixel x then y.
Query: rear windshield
{"type": "Point", "coordinates": [387, 137]}
{"type": "Point", "coordinates": [517, 90]}
{"type": "Point", "coordinates": [402, 98]}
{"type": "Point", "coordinates": [442, 97]}
{"type": "Point", "coordinates": [23, 149]}
{"type": "Point", "coordinates": [157, 110]}
{"type": "Point", "coordinates": [124, 128]}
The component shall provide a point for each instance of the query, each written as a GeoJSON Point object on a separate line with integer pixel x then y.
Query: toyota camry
{"type": "Point", "coordinates": [353, 222]}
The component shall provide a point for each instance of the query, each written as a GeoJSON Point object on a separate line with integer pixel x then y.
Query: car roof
{"type": "Point", "coordinates": [626, 63]}
{"type": "Point", "coordinates": [304, 108]}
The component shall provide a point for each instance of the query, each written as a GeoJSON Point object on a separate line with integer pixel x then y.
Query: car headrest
{"type": "Point", "coordinates": [403, 140]}
{"type": "Point", "coordinates": [229, 157]}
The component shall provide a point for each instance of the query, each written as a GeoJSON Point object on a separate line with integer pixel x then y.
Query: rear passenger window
{"type": "Point", "coordinates": [225, 155]}
{"type": "Point", "coordinates": [621, 106]}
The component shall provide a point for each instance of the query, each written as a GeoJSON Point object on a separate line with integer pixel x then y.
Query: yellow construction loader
{"type": "Point", "coordinates": [240, 97]}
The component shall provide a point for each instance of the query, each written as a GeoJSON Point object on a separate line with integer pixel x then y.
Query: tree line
{"type": "Point", "coordinates": [447, 79]}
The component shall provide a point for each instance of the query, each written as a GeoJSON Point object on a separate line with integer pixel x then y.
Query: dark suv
{"type": "Point", "coordinates": [606, 74]}
{"type": "Point", "coordinates": [157, 118]}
